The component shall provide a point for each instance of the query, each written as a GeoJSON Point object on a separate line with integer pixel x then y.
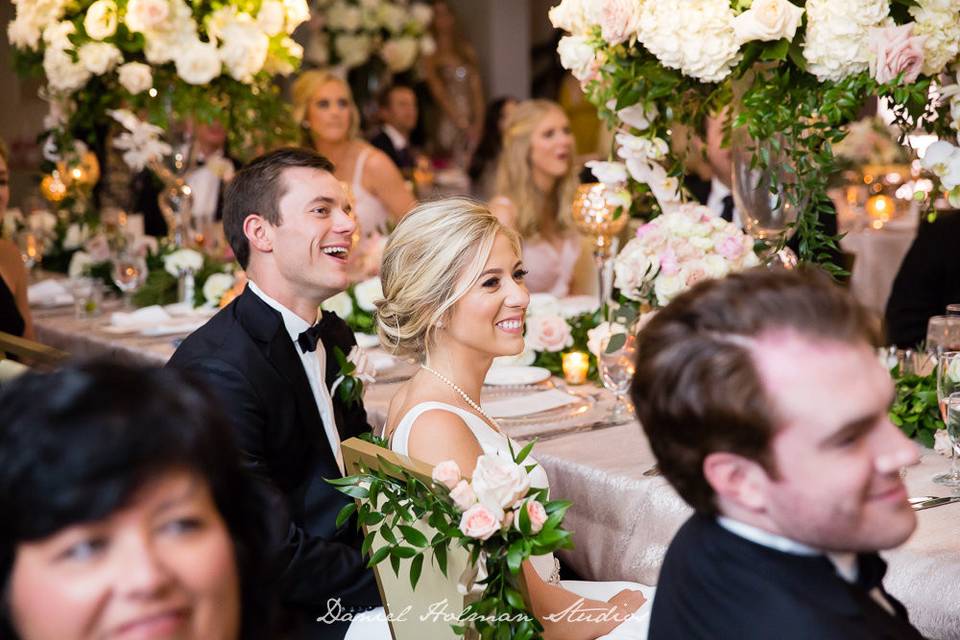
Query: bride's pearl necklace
{"type": "Point", "coordinates": [463, 394]}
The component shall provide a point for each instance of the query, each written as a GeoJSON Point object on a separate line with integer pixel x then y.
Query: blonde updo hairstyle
{"type": "Point", "coordinates": [305, 87]}
{"type": "Point", "coordinates": [515, 172]}
{"type": "Point", "coordinates": [434, 256]}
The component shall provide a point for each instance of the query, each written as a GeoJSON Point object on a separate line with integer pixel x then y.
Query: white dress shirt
{"type": "Point", "coordinates": [398, 140]}
{"type": "Point", "coordinates": [314, 365]}
{"type": "Point", "coordinates": [719, 191]}
{"type": "Point", "coordinates": [845, 563]}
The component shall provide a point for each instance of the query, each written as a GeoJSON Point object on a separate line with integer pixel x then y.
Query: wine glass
{"type": "Point", "coordinates": [948, 394]}
{"type": "Point", "coordinates": [128, 271]}
{"type": "Point", "coordinates": [943, 333]}
{"type": "Point", "coordinates": [616, 362]}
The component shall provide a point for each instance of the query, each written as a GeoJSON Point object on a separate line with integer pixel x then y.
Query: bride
{"type": "Point", "coordinates": [454, 299]}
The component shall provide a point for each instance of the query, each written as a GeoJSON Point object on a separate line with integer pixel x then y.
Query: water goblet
{"type": "Point", "coordinates": [128, 272]}
{"type": "Point", "coordinates": [616, 363]}
{"type": "Point", "coordinates": [948, 390]}
{"type": "Point", "coordinates": [952, 478]}
{"type": "Point", "coordinates": [943, 333]}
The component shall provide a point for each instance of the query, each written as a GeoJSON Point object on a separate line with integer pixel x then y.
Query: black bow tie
{"type": "Point", "coordinates": [870, 571]}
{"type": "Point", "coordinates": [308, 339]}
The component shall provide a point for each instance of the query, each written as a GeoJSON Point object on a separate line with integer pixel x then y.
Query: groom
{"type": "Point", "coordinates": [766, 406]}
{"type": "Point", "coordinates": [270, 357]}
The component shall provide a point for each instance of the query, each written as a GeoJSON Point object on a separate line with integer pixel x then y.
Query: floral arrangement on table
{"type": "Point", "coordinates": [215, 281]}
{"type": "Point", "coordinates": [793, 74]}
{"type": "Point", "coordinates": [355, 306]}
{"type": "Point", "coordinates": [170, 59]}
{"type": "Point", "coordinates": [349, 33]}
{"type": "Point", "coordinates": [870, 141]}
{"type": "Point", "coordinates": [495, 515]}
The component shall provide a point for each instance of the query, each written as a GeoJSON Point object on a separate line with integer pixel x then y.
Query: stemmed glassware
{"type": "Point", "coordinates": [948, 396]}
{"type": "Point", "coordinates": [616, 362]}
{"type": "Point", "coordinates": [129, 272]}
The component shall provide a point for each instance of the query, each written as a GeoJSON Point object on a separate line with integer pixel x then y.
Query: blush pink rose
{"type": "Point", "coordinates": [463, 495]}
{"type": "Point", "coordinates": [731, 248]}
{"type": "Point", "coordinates": [499, 482]}
{"type": "Point", "coordinates": [669, 265]}
{"type": "Point", "coordinates": [645, 229]}
{"type": "Point", "coordinates": [548, 333]}
{"type": "Point", "coordinates": [479, 522]}
{"type": "Point", "coordinates": [447, 473]}
{"type": "Point", "coordinates": [536, 513]}
{"type": "Point", "coordinates": [896, 50]}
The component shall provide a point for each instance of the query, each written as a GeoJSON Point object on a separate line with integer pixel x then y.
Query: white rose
{"type": "Point", "coordinates": [715, 266]}
{"type": "Point", "coordinates": [392, 17]}
{"type": "Point", "coordinates": [447, 473]}
{"type": "Point", "coordinates": [244, 48]}
{"type": "Point", "coordinates": [633, 269]}
{"type": "Point", "coordinates": [667, 287]}
{"type": "Point", "coordinates": [499, 482]}
{"type": "Point", "coordinates": [768, 20]}
{"type": "Point", "coordinates": [135, 77]}
{"type": "Point", "coordinates": [619, 20]}
{"type": "Point", "coordinates": [548, 333]}
{"type": "Point", "coordinates": [271, 17]}
{"type": "Point", "coordinates": [297, 13]}
{"type": "Point", "coordinates": [57, 36]}
{"type": "Point", "coordinates": [463, 496]}
{"type": "Point", "coordinates": [569, 16]}
{"type": "Point", "coordinates": [353, 50]}
{"type": "Point", "coordinates": [340, 304]}
{"type": "Point", "coordinates": [63, 74]}
{"type": "Point", "coordinates": [576, 55]}
{"type": "Point", "coordinates": [101, 19]}
{"type": "Point", "coordinates": [367, 293]}
{"type": "Point", "coordinates": [182, 261]}
{"type": "Point", "coordinates": [198, 62]}
{"type": "Point", "coordinates": [343, 17]}
{"type": "Point", "coordinates": [215, 286]}
{"type": "Point", "coordinates": [543, 304]}
{"type": "Point", "coordinates": [143, 15]}
{"type": "Point", "coordinates": [612, 173]}
{"type": "Point", "coordinates": [422, 14]}
{"type": "Point", "coordinates": [80, 262]}
{"type": "Point", "coordinates": [399, 53]}
{"type": "Point", "coordinates": [598, 334]}
{"type": "Point", "coordinates": [99, 57]}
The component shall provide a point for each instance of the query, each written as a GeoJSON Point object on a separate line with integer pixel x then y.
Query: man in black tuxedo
{"type": "Point", "coordinates": [398, 112]}
{"type": "Point", "coordinates": [766, 407]}
{"type": "Point", "coordinates": [272, 360]}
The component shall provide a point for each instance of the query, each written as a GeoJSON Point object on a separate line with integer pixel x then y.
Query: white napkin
{"type": "Point", "coordinates": [171, 328]}
{"type": "Point", "coordinates": [528, 404]}
{"type": "Point", "coordinates": [49, 293]}
{"type": "Point", "coordinates": [141, 318]}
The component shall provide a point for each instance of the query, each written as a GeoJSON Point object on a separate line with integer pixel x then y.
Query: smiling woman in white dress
{"type": "Point", "coordinates": [454, 299]}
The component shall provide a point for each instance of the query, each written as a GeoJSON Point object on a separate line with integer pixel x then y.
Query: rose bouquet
{"type": "Point", "coordinates": [172, 59]}
{"type": "Point", "coordinates": [786, 76]}
{"type": "Point", "coordinates": [348, 33]}
{"type": "Point", "coordinates": [496, 516]}
{"type": "Point", "coordinates": [355, 306]}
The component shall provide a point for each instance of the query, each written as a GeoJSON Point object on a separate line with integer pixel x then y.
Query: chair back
{"type": "Point", "coordinates": [33, 354]}
{"type": "Point", "coordinates": [424, 613]}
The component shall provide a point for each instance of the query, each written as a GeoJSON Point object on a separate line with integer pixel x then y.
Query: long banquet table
{"type": "Point", "coordinates": [623, 520]}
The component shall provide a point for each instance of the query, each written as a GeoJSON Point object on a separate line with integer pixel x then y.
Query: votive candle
{"type": "Point", "coordinates": [576, 365]}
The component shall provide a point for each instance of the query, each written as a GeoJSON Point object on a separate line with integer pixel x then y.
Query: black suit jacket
{"type": "Point", "coordinates": [247, 356]}
{"type": "Point", "coordinates": [928, 280]}
{"type": "Point", "coordinates": [716, 585]}
{"type": "Point", "coordinates": [403, 158]}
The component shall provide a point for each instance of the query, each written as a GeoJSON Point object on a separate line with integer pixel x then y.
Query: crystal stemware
{"type": "Point", "coordinates": [943, 334]}
{"type": "Point", "coordinates": [616, 363]}
{"type": "Point", "coordinates": [948, 394]}
{"type": "Point", "coordinates": [128, 272]}
{"type": "Point", "coordinates": [595, 215]}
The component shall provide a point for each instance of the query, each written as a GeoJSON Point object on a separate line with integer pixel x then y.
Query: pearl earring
{"type": "Point", "coordinates": [304, 124]}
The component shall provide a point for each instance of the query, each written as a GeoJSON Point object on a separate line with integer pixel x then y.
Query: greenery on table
{"type": "Point", "coordinates": [916, 410]}
{"type": "Point", "coordinates": [161, 287]}
{"type": "Point", "coordinates": [388, 507]}
{"type": "Point", "coordinates": [579, 326]}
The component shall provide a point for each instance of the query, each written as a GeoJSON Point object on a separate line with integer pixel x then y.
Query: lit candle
{"type": "Point", "coordinates": [880, 207]}
{"type": "Point", "coordinates": [576, 365]}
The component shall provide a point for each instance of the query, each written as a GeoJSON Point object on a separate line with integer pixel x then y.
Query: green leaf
{"type": "Point", "coordinates": [414, 537]}
{"type": "Point", "coordinates": [440, 554]}
{"type": "Point", "coordinates": [515, 556]}
{"type": "Point", "coordinates": [345, 513]}
{"type": "Point", "coordinates": [388, 535]}
{"type": "Point", "coordinates": [367, 543]}
{"type": "Point", "coordinates": [378, 556]}
{"type": "Point", "coordinates": [514, 599]}
{"type": "Point", "coordinates": [525, 451]}
{"type": "Point", "coordinates": [395, 564]}
{"type": "Point", "coordinates": [616, 342]}
{"type": "Point", "coordinates": [416, 566]}
{"type": "Point", "coordinates": [404, 552]}
{"type": "Point", "coordinates": [777, 51]}
{"type": "Point", "coordinates": [354, 492]}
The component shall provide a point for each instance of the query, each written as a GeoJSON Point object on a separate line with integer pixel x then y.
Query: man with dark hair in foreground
{"type": "Point", "coordinates": [766, 407]}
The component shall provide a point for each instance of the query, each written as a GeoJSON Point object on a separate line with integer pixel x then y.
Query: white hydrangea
{"type": "Point", "coordinates": [99, 57]}
{"type": "Point", "coordinates": [422, 14]}
{"type": "Point", "coordinates": [32, 18]}
{"type": "Point", "coordinates": [837, 39]}
{"type": "Point", "coordinates": [198, 62]}
{"type": "Point", "coordinates": [135, 77]}
{"type": "Point", "coordinates": [63, 74]}
{"type": "Point", "coordinates": [939, 20]}
{"type": "Point", "coordinates": [343, 17]}
{"type": "Point", "coordinates": [271, 17]}
{"type": "Point", "coordinates": [399, 53]}
{"type": "Point", "coordinates": [166, 41]}
{"type": "Point", "coordinates": [244, 48]}
{"type": "Point", "coordinates": [353, 50]}
{"type": "Point", "coordinates": [393, 17]}
{"type": "Point", "coordinates": [570, 16]}
{"type": "Point", "coordinates": [182, 261]}
{"type": "Point", "coordinates": [694, 36]}
{"type": "Point", "coordinates": [297, 13]}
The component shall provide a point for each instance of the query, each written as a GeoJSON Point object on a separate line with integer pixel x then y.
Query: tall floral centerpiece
{"type": "Point", "coordinates": [787, 74]}
{"type": "Point", "coordinates": [170, 60]}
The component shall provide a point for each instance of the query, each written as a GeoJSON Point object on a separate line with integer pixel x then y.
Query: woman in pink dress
{"type": "Point", "coordinates": [536, 181]}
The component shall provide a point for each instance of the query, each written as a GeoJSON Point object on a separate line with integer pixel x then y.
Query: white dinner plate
{"type": "Point", "coordinates": [516, 375]}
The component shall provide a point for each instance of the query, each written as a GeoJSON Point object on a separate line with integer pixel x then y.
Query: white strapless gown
{"type": "Point", "coordinates": [492, 442]}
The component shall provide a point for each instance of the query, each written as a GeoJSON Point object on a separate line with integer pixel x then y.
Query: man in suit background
{"type": "Point", "coordinates": [398, 112]}
{"type": "Point", "coordinates": [766, 407]}
{"type": "Point", "coordinates": [272, 361]}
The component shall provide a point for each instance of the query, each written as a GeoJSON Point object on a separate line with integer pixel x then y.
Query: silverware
{"type": "Point", "coordinates": [652, 471]}
{"type": "Point", "coordinates": [936, 502]}
{"type": "Point", "coordinates": [918, 499]}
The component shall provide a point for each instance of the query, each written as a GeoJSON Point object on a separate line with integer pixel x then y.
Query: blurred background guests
{"type": "Point", "coordinates": [398, 115]}
{"type": "Point", "coordinates": [928, 280]}
{"type": "Point", "coordinates": [453, 76]}
{"type": "Point", "coordinates": [14, 308]}
{"type": "Point", "coordinates": [330, 122]}
{"type": "Point", "coordinates": [536, 180]}
{"type": "Point", "coordinates": [126, 511]}
{"type": "Point", "coordinates": [483, 164]}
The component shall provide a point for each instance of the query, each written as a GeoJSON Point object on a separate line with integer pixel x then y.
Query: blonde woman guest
{"type": "Point", "coordinates": [14, 308]}
{"type": "Point", "coordinates": [454, 299]}
{"type": "Point", "coordinates": [536, 181]}
{"type": "Point", "coordinates": [330, 122]}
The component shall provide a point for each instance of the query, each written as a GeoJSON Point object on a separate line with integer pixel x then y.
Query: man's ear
{"type": "Point", "coordinates": [259, 233]}
{"type": "Point", "coordinates": [737, 480]}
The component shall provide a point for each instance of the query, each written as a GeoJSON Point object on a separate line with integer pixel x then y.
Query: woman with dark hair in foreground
{"type": "Point", "coordinates": [125, 511]}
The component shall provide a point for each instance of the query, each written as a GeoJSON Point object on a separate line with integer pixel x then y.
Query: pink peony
{"type": "Point", "coordinates": [480, 522]}
{"type": "Point", "coordinates": [537, 514]}
{"type": "Point", "coordinates": [463, 495]}
{"type": "Point", "coordinates": [668, 263]}
{"type": "Point", "coordinates": [447, 473]}
{"type": "Point", "coordinates": [548, 333]}
{"type": "Point", "coordinates": [896, 50]}
{"type": "Point", "coordinates": [731, 248]}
